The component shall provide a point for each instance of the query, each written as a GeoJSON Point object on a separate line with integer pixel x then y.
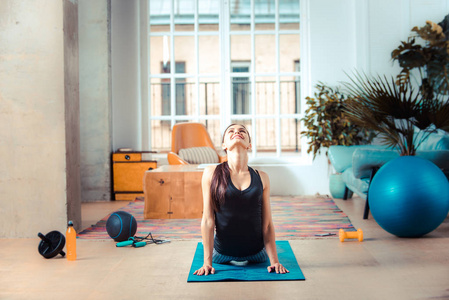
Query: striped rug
{"type": "Point", "coordinates": [294, 217]}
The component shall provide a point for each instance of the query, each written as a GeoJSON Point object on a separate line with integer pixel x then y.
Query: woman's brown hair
{"type": "Point", "coordinates": [220, 178]}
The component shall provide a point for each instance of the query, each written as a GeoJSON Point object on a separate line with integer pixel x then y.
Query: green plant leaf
{"type": "Point", "coordinates": [380, 105]}
{"type": "Point", "coordinates": [326, 123]}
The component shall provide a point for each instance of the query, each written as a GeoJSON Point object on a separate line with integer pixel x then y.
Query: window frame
{"type": "Point", "coordinates": [226, 75]}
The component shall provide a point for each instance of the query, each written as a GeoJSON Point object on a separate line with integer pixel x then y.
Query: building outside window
{"type": "Point", "coordinates": [240, 88]}
{"type": "Point", "coordinates": [230, 61]}
{"type": "Point", "coordinates": [179, 90]}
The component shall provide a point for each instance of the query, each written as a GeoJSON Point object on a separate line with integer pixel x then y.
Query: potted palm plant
{"type": "Point", "coordinates": [392, 107]}
{"type": "Point", "coordinates": [425, 54]}
{"type": "Point", "coordinates": [395, 111]}
{"type": "Point", "coordinates": [326, 124]}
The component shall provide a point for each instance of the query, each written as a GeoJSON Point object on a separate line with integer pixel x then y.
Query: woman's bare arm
{"type": "Point", "coordinates": [207, 224]}
{"type": "Point", "coordinates": [268, 228]}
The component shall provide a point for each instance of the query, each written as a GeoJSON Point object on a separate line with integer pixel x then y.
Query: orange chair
{"type": "Point", "coordinates": [188, 135]}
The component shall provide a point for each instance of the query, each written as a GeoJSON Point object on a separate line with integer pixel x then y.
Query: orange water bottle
{"type": "Point", "coordinates": [71, 241]}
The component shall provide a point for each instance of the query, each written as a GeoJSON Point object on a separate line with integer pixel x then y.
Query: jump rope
{"type": "Point", "coordinates": [137, 241]}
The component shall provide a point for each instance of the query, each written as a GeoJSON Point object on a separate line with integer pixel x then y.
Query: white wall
{"type": "Point", "coordinates": [341, 36]}
{"type": "Point", "coordinates": [126, 125]}
{"type": "Point", "coordinates": [390, 22]}
{"type": "Point", "coordinates": [332, 40]}
{"type": "Point", "coordinates": [302, 177]}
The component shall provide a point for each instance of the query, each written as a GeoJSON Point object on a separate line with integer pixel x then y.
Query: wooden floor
{"type": "Point", "coordinates": [381, 267]}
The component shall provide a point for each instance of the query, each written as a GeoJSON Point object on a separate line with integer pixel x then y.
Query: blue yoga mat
{"type": "Point", "coordinates": [250, 271]}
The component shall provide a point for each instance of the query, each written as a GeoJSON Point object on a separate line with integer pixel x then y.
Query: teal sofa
{"type": "Point", "coordinates": [359, 164]}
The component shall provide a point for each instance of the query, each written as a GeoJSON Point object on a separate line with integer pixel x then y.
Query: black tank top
{"type": "Point", "coordinates": [239, 221]}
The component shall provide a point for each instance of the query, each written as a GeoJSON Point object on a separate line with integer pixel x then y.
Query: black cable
{"type": "Point", "coordinates": [151, 239]}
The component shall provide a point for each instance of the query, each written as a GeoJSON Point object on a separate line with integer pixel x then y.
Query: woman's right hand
{"type": "Point", "coordinates": [204, 270]}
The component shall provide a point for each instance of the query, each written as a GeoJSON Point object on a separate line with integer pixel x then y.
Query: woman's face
{"type": "Point", "coordinates": [236, 135]}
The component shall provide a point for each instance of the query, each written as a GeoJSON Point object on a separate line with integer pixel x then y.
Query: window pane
{"type": "Point", "coordinates": [289, 95]}
{"type": "Point", "coordinates": [264, 15]}
{"type": "Point", "coordinates": [241, 94]}
{"type": "Point", "coordinates": [240, 47]}
{"type": "Point", "coordinates": [288, 26]}
{"type": "Point", "coordinates": [184, 27]}
{"type": "Point", "coordinates": [265, 95]}
{"type": "Point", "coordinates": [289, 51]}
{"type": "Point", "coordinates": [184, 13]}
{"type": "Point", "coordinates": [159, 7]}
{"type": "Point", "coordinates": [264, 25]}
{"type": "Point", "coordinates": [290, 139]}
{"type": "Point", "coordinates": [288, 14]}
{"type": "Point", "coordinates": [161, 135]}
{"type": "Point", "coordinates": [240, 27]}
{"type": "Point", "coordinates": [208, 15]}
{"type": "Point", "coordinates": [184, 51]}
{"type": "Point", "coordinates": [160, 89]}
{"type": "Point", "coordinates": [209, 96]}
{"type": "Point", "coordinates": [265, 53]}
{"type": "Point", "coordinates": [266, 135]}
{"type": "Point", "coordinates": [241, 88]}
{"type": "Point", "coordinates": [240, 14]}
{"type": "Point", "coordinates": [160, 28]}
{"type": "Point", "coordinates": [213, 128]}
{"type": "Point", "coordinates": [186, 95]}
{"type": "Point", "coordinates": [159, 15]}
{"type": "Point", "coordinates": [159, 53]}
{"type": "Point", "coordinates": [209, 49]}
{"type": "Point", "coordinates": [208, 27]}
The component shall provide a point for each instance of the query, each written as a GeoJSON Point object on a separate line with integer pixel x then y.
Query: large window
{"type": "Point", "coordinates": [218, 62]}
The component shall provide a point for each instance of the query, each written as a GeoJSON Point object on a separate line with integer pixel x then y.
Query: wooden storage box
{"type": "Point", "coordinates": [173, 192]}
{"type": "Point", "coordinates": [128, 171]}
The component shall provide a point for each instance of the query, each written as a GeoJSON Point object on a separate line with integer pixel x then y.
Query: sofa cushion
{"type": "Point", "coordinates": [199, 155]}
{"type": "Point", "coordinates": [357, 185]}
{"type": "Point", "coordinates": [341, 157]}
{"type": "Point", "coordinates": [435, 141]}
{"type": "Point", "coordinates": [438, 157]}
{"type": "Point", "coordinates": [364, 160]}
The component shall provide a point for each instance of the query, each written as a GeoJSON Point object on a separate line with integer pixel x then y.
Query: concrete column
{"type": "Point", "coordinates": [95, 99]}
{"type": "Point", "coordinates": [39, 117]}
{"type": "Point", "coordinates": [72, 110]}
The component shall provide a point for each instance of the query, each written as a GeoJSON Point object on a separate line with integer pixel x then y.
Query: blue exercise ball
{"type": "Point", "coordinates": [409, 196]}
{"type": "Point", "coordinates": [121, 226]}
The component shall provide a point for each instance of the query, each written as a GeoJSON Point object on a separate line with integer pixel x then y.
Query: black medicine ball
{"type": "Point", "coordinates": [121, 226]}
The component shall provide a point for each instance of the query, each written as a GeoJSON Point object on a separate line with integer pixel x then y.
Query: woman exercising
{"type": "Point", "coordinates": [237, 203]}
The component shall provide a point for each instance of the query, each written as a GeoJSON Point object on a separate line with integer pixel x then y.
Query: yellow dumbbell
{"type": "Point", "coordinates": [351, 235]}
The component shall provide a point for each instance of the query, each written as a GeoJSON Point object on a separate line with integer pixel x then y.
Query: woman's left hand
{"type": "Point", "coordinates": [278, 268]}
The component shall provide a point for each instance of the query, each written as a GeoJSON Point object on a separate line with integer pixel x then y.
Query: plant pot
{"type": "Point", "coordinates": [337, 186]}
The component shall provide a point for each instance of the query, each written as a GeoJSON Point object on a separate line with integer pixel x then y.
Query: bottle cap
{"type": "Point", "coordinates": [70, 223]}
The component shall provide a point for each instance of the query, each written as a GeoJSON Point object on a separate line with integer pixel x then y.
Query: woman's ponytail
{"type": "Point", "coordinates": [219, 184]}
